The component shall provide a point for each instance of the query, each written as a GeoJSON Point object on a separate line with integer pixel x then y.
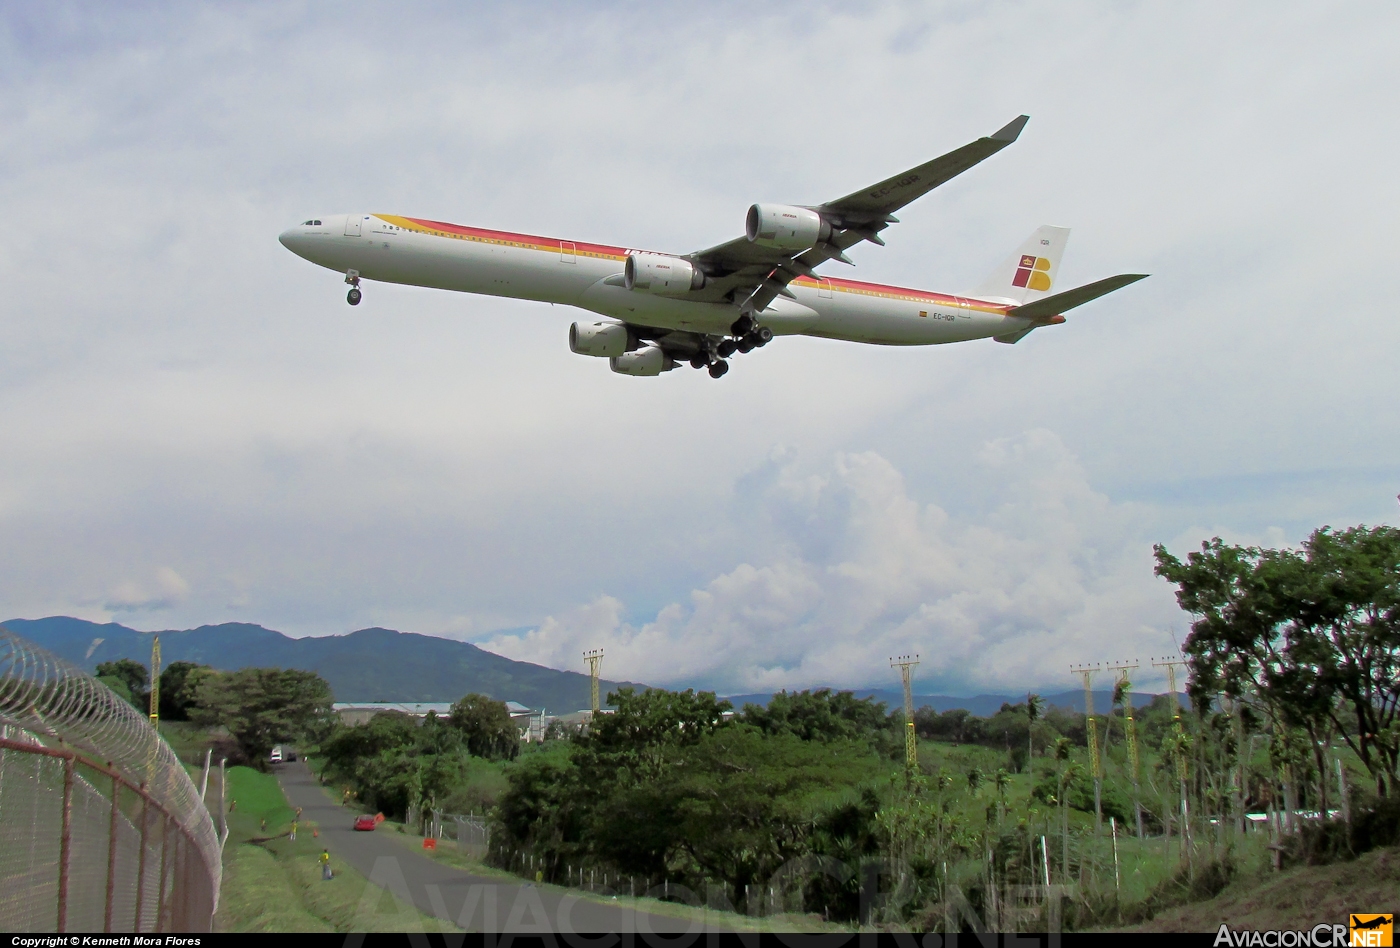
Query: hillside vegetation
{"type": "Point", "coordinates": [1297, 898]}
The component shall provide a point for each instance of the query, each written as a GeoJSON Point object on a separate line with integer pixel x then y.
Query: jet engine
{"type": "Point", "coordinates": [648, 360]}
{"type": "Point", "coordinates": [598, 339]}
{"type": "Point", "coordinates": [785, 228]}
{"type": "Point", "coordinates": [661, 274]}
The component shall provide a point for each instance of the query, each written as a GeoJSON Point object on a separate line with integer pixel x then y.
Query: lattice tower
{"type": "Point", "coordinates": [1130, 729]}
{"type": "Point", "coordinates": [595, 664]}
{"type": "Point", "coordinates": [906, 665]}
{"type": "Point", "coordinates": [1086, 672]}
{"type": "Point", "coordinates": [155, 680]}
{"type": "Point", "coordinates": [1170, 663]}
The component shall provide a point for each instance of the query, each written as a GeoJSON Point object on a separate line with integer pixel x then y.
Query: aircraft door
{"type": "Point", "coordinates": [352, 225]}
{"type": "Point", "coordinates": [568, 252]}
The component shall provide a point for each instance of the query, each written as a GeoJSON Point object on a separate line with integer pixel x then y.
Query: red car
{"type": "Point", "coordinates": [364, 823]}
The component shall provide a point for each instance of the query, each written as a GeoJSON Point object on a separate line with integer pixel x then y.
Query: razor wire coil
{"type": "Point", "coordinates": [101, 828]}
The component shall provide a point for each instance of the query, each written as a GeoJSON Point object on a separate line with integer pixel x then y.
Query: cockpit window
{"type": "Point", "coordinates": [310, 223]}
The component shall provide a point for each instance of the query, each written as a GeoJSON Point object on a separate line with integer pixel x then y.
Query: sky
{"type": "Point", "coordinates": [198, 429]}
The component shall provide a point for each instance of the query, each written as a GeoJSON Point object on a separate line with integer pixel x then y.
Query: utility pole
{"type": "Point", "coordinates": [906, 665]}
{"type": "Point", "coordinates": [595, 662]}
{"type": "Point", "coordinates": [1087, 673]}
{"type": "Point", "coordinates": [155, 683]}
{"type": "Point", "coordinates": [1170, 662]}
{"type": "Point", "coordinates": [1125, 683]}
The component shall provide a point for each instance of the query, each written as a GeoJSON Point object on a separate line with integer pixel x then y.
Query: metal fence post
{"type": "Point", "coordinates": [65, 845]}
{"type": "Point", "coordinates": [164, 848]}
{"type": "Point", "coordinates": [112, 854]}
{"type": "Point", "coordinates": [141, 861]}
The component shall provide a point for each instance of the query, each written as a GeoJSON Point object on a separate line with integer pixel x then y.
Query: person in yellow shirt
{"type": "Point", "coordinates": [325, 864]}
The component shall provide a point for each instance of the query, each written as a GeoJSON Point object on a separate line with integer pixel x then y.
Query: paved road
{"type": "Point", "coordinates": [474, 903]}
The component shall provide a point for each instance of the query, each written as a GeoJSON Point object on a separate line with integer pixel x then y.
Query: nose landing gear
{"type": "Point", "coordinates": [354, 296]}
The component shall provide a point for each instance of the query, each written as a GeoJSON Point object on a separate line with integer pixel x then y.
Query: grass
{"type": "Point", "coordinates": [273, 884]}
{"type": "Point", "coordinates": [1295, 899]}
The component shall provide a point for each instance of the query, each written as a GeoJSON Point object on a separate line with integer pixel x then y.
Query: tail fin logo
{"type": "Point", "coordinates": [1033, 272]}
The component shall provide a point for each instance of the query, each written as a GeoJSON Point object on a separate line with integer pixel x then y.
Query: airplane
{"type": "Point", "coordinates": [661, 309]}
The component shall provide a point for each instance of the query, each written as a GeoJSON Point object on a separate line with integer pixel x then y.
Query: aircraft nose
{"type": "Point", "coordinates": [288, 239]}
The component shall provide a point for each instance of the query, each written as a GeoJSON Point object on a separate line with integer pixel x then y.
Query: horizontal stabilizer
{"type": "Point", "coordinates": [1061, 302]}
{"type": "Point", "coordinates": [1012, 338]}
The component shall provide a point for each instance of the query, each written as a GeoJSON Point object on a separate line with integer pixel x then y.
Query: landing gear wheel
{"type": "Point", "coordinates": [742, 325]}
{"type": "Point", "coordinates": [764, 335]}
{"type": "Point", "coordinates": [353, 297]}
{"type": "Point", "coordinates": [699, 361]}
{"type": "Point", "coordinates": [726, 349]}
{"type": "Point", "coordinates": [718, 368]}
{"type": "Point", "coordinates": [747, 344]}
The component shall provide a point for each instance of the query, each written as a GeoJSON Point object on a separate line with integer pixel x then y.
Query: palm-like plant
{"type": "Point", "coordinates": [1069, 774]}
{"type": "Point", "coordinates": [1034, 705]}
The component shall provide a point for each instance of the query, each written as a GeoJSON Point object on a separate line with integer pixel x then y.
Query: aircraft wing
{"type": "Point", "coordinates": [753, 276]}
{"type": "Point", "coordinates": [877, 202]}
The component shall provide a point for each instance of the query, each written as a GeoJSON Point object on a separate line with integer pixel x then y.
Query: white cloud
{"type": "Point", "coordinates": [175, 388]}
{"type": "Point", "coordinates": [1057, 575]}
{"type": "Point", "coordinates": [165, 589]}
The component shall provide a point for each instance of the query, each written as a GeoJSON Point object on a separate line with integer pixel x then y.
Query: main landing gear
{"type": "Point", "coordinates": [354, 296]}
{"type": "Point", "coordinates": [748, 336]}
{"type": "Point", "coordinates": [716, 365]}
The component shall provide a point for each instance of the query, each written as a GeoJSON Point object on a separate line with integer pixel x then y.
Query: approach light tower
{"type": "Point", "coordinates": [155, 682]}
{"type": "Point", "coordinates": [595, 662]}
{"type": "Point", "coordinates": [1087, 673]}
{"type": "Point", "coordinates": [1169, 662]}
{"type": "Point", "coordinates": [1125, 684]}
{"type": "Point", "coordinates": [906, 664]}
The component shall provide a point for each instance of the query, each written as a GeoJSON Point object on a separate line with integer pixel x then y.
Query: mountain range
{"type": "Point", "coordinates": [386, 665]}
{"type": "Point", "coordinates": [368, 665]}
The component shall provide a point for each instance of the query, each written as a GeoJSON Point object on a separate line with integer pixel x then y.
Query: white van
{"type": "Point", "coordinates": [277, 754]}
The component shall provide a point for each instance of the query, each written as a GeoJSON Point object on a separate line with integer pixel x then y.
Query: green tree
{"type": "Point", "coordinates": [179, 682]}
{"type": "Point", "coordinates": [486, 727]}
{"type": "Point", "coordinates": [133, 677]}
{"type": "Point", "coordinates": [821, 715]}
{"type": "Point", "coordinates": [1310, 639]}
{"type": "Point", "coordinates": [261, 707]}
{"type": "Point", "coordinates": [631, 743]}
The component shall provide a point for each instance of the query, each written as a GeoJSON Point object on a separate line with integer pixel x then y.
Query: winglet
{"type": "Point", "coordinates": [1011, 130]}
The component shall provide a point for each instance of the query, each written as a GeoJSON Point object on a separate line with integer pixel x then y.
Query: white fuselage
{"type": "Point", "coordinates": [418, 252]}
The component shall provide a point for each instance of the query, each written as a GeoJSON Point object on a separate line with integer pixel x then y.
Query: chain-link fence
{"type": "Point", "coordinates": [101, 828]}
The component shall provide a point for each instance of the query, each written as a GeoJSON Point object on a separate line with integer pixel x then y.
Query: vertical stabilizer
{"type": "Point", "coordinates": [1032, 271]}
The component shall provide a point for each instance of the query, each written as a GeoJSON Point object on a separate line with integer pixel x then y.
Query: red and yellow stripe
{"type": "Point", "coordinates": [606, 252]}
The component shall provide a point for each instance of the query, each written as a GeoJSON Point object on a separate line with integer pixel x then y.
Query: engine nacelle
{"type": "Point", "coordinates": [598, 339]}
{"type": "Point", "coordinates": [661, 274]}
{"type": "Point", "coordinates": [648, 360]}
{"type": "Point", "coordinates": [785, 228]}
